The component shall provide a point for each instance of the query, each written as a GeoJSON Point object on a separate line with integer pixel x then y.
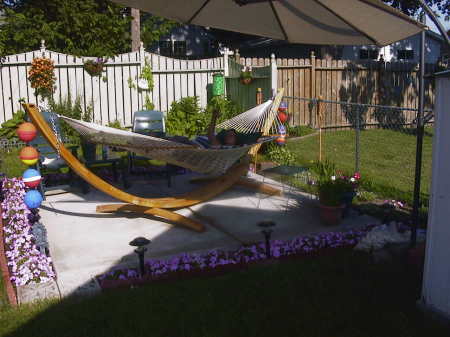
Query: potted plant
{"type": "Point", "coordinates": [42, 77]}
{"type": "Point", "coordinates": [335, 192]}
{"type": "Point", "coordinates": [94, 67]}
{"type": "Point", "coordinates": [246, 75]}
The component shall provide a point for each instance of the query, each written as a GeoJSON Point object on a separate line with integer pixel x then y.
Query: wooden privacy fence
{"type": "Point", "coordinates": [114, 95]}
{"type": "Point", "coordinates": [377, 83]}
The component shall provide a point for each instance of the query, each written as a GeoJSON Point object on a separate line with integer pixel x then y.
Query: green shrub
{"type": "Point", "coordinates": [73, 110]}
{"type": "Point", "coordinates": [185, 118]}
{"type": "Point", "coordinates": [116, 125]}
{"type": "Point", "coordinates": [9, 127]}
{"type": "Point", "coordinates": [226, 107]}
{"type": "Point", "coordinates": [280, 155]}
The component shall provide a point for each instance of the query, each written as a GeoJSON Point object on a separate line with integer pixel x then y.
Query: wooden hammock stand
{"type": "Point", "coordinates": [150, 206]}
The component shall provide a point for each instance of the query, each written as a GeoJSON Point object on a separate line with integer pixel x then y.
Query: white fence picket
{"type": "Point", "coordinates": [116, 98]}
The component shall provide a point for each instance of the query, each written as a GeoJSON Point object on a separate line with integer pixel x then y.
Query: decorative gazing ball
{"type": "Point", "coordinates": [282, 107]}
{"type": "Point", "coordinates": [282, 116]}
{"type": "Point", "coordinates": [31, 178]}
{"type": "Point", "coordinates": [26, 132]}
{"type": "Point", "coordinates": [33, 199]}
{"type": "Point", "coordinates": [29, 155]}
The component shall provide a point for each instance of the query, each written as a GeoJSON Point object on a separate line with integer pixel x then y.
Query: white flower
{"type": "Point", "coordinates": [333, 178]}
{"type": "Point", "coordinates": [352, 180]}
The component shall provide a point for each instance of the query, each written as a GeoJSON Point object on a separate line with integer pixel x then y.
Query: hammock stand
{"type": "Point", "coordinates": [156, 206]}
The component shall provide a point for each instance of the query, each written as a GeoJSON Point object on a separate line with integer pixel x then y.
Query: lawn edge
{"type": "Point", "coordinates": [10, 290]}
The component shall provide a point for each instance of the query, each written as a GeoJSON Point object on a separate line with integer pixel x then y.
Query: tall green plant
{"type": "Point", "coordinates": [186, 118]}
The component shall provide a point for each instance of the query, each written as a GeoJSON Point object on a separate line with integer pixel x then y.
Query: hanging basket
{"type": "Point", "coordinates": [93, 68]}
{"type": "Point", "coordinates": [246, 80]}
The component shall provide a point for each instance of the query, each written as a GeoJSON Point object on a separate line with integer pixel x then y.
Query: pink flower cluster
{"type": "Point", "coordinates": [26, 263]}
{"type": "Point", "coordinates": [215, 259]}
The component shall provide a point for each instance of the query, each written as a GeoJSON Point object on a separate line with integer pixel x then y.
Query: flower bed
{"type": "Point", "coordinates": [215, 261]}
{"type": "Point", "coordinates": [27, 264]}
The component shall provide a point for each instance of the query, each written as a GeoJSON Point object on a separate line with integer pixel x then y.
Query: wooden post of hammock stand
{"type": "Point", "coordinates": [320, 115]}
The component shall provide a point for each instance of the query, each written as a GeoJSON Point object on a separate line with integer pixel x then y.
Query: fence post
{"type": "Point", "coordinates": [313, 76]}
{"type": "Point", "coordinates": [273, 74]}
{"type": "Point", "coordinates": [357, 137]}
{"type": "Point", "coordinates": [226, 69]}
{"type": "Point", "coordinates": [43, 48]}
{"type": "Point", "coordinates": [312, 91]}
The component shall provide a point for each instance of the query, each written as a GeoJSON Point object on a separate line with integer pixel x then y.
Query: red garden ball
{"type": "Point", "coordinates": [29, 155]}
{"type": "Point", "coordinates": [26, 132]}
{"type": "Point", "coordinates": [282, 116]}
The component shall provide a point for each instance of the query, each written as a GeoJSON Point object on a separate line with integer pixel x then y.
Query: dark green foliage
{"type": "Point", "coordinates": [185, 118]}
{"type": "Point", "coordinates": [9, 127]}
{"type": "Point", "coordinates": [81, 27]}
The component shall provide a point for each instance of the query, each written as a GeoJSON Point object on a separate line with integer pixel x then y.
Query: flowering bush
{"type": "Point", "coordinates": [94, 68]}
{"type": "Point", "coordinates": [27, 264]}
{"type": "Point", "coordinates": [42, 77]}
{"type": "Point", "coordinates": [216, 260]}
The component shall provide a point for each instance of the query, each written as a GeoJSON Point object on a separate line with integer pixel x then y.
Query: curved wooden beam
{"type": "Point", "coordinates": [202, 194]}
{"type": "Point", "coordinates": [163, 213]}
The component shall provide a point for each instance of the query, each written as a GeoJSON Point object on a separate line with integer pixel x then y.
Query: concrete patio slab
{"type": "Point", "coordinates": [84, 243]}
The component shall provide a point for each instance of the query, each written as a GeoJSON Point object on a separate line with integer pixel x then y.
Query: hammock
{"type": "Point", "coordinates": [208, 161]}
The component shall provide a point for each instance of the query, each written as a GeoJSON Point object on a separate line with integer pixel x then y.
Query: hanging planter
{"type": "Point", "coordinates": [94, 68]}
{"type": "Point", "coordinates": [246, 76]}
{"type": "Point", "coordinates": [42, 77]}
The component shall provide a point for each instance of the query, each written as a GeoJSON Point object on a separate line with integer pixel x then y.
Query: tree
{"type": "Point", "coordinates": [412, 7]}
{"type": "Point", "coordinates": [78, 27]}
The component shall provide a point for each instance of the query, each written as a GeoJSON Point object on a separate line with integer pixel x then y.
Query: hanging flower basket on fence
{"type": "Point", "coordinates": [94, 68]}
{"type": "Point", "coordinates": [42, 76]}
{"type": "Point", "coordinates": [246, 76]}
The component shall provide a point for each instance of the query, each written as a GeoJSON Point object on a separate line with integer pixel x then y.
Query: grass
{"type": "Point", "coordinates": [387, 158]}
{"type": "Point", "coordinates": [10, 164]}
{"type": "Point", "coordinates": [341, 295]}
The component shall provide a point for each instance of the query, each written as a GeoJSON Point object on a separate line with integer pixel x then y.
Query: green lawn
{"type": "Point", "coordinates": [387, 158]}
{"type": "Point", "coordinates": [341, 295]}
{"type": "Point", "coordinates": [10, 164]}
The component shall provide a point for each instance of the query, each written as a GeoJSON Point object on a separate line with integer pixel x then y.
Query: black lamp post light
{"type": "Point", "coordinates": [267, 231]}
{"type": "Point", "coordinates": [140, 243]}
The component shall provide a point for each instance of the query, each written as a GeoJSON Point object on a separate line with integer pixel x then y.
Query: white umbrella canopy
{"type": "Point", "coordinates": [329, 22]}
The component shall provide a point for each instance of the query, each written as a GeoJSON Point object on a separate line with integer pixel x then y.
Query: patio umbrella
{"type": "Point", "coordinates": [332, 22]}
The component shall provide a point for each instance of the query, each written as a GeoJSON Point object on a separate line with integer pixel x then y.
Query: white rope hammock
{"type": "Point", "coordinates": [208, 161]}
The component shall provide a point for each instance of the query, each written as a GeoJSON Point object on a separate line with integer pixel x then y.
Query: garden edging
{"type": "Point", "coordinates": [10, 290]}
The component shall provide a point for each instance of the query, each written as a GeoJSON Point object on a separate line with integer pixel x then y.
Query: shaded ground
{"type": "Point", "coordinates": [340, 295]}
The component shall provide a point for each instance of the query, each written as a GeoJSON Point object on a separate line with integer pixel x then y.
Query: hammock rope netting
{"type": "Point", "coordinates": [262, 118]}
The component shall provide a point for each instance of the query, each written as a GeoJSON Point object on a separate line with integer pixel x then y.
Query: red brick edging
{"type": "Point", "coordinates": [10, 290]}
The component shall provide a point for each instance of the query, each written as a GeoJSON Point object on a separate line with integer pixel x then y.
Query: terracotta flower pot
{"type": "Point", "coordinates": [331, 215]}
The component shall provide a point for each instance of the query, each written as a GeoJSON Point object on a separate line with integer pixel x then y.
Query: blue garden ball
{"type": "Point", "coordinates": [31, 178]}
{"type": "Point", "coordinates": [33, 199]}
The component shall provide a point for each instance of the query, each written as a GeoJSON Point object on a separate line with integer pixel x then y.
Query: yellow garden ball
{"type": "Point", "coordinates": [29, 155]}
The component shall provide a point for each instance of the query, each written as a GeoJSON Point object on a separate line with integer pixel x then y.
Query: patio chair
{"type": "Point", "coordinates": [149, 123]}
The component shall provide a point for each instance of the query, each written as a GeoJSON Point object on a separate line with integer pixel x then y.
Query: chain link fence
{"type": "Point", "coordinates": [377, 141]}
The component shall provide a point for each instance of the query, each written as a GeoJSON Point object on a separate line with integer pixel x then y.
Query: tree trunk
{"type": "Point", "coordinates": [135, 29]}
